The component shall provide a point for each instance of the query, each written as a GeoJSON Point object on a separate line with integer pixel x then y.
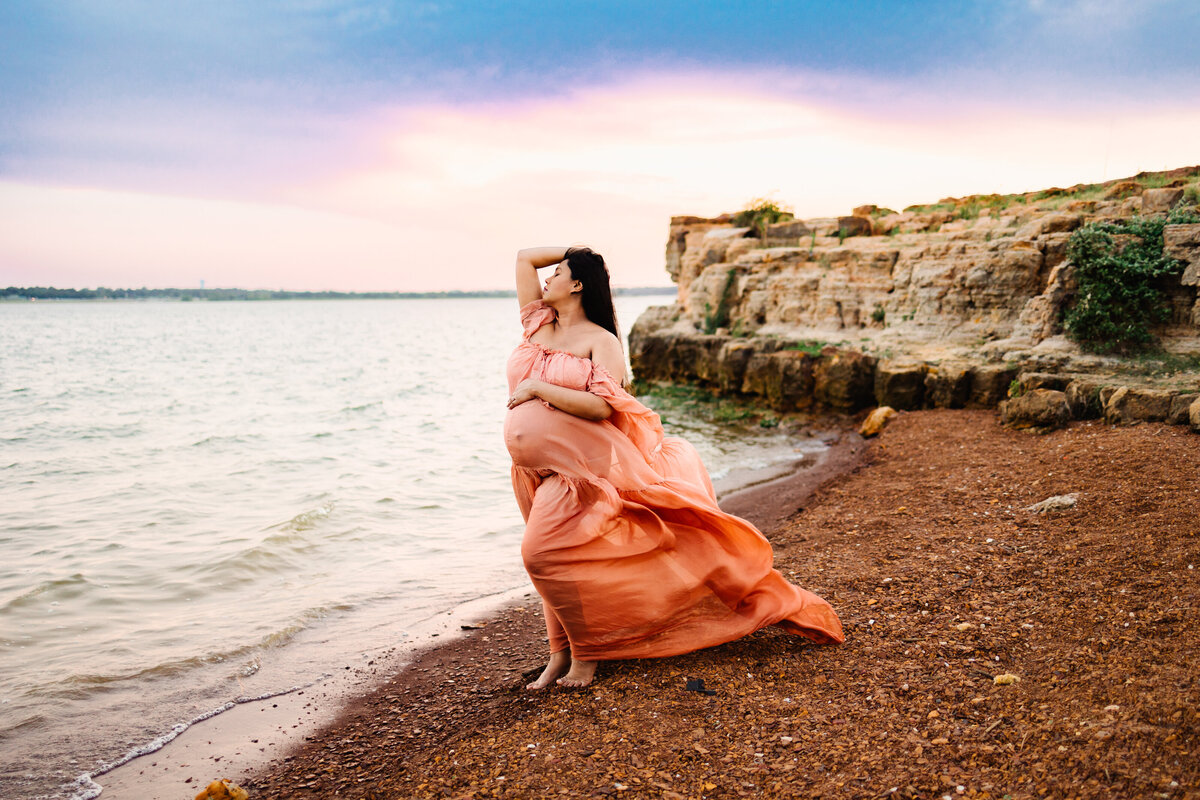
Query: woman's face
{"type": "Point", "coordinates": [559, 285]}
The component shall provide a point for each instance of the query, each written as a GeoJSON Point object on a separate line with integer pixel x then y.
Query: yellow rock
{"type": "Point", "coordinates": [1006, 679]}
{"type": "Point", "coordinates": [876, 420]}
{"type": "Point", "coordinates": [223, 790]}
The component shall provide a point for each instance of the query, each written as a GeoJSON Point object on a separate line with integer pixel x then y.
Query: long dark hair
{"type": "Point", "coordinates": [587, 267]}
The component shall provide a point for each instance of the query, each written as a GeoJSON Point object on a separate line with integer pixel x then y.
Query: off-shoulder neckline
{"type": "Point", "coordinates": [533, 307]}
{"type": "Point", "coordinates": [551, 351]}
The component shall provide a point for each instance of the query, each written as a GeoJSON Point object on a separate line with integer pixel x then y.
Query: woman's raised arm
{"type": "Point", "coordinates": [529, 261]}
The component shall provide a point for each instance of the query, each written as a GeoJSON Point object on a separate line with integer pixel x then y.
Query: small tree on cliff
{"type": "Point", "coordinates": [759, 213]}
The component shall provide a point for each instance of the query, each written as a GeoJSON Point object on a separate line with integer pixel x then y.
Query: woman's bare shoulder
{"type": "Point", "coordinates": [601, 337]}
{"type": "Point", "coordinates": [608, 353]}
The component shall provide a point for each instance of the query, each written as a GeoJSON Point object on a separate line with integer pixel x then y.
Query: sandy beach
{"type": "Point", "coordinates": [945, 582]}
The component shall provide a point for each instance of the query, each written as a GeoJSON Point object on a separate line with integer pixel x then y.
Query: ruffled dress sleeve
{"type": "Point", "coordinates": [534, 315]}
{"type": "Point", "coordinates": [639, 424]}
{"type": "Point", "coordinates": [669, 456]}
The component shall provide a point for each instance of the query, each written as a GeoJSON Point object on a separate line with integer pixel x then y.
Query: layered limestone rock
{"type": "Point", "coordinates": [937, 306]}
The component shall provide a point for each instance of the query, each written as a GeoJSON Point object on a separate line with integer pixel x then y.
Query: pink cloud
{"type": "Point", "coordinates": [442, 196]}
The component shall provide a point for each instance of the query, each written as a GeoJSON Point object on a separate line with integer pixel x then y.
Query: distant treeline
{"type": "Point", "coordinates": [102, 293]}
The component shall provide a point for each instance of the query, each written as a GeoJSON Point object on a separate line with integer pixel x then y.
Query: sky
{"type": "Point", "coordinates": [358, 145]}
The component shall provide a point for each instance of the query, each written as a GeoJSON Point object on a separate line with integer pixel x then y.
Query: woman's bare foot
{"type": "Point", "coordinates": [580, 675]}
{"type": "Point", "coordinates": [558, 664]}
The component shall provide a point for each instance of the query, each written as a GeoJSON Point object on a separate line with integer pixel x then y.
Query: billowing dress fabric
{"type": "Point", "coordinates": [624, 540]}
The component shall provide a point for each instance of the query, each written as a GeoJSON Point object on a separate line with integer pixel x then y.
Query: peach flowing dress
{"type": "Point", "coordinates": [623, 539]}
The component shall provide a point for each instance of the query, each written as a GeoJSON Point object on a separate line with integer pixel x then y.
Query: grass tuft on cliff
{"type": "Point", "coordinates": [759, 213]}
{"type": "Point", "coordinates": [1055, 197]}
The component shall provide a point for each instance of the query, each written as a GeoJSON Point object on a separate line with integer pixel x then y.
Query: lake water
{"type": "Point", "coordinates": [207, 501]}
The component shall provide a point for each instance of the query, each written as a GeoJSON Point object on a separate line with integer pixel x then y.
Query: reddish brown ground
{"type": "Point", "coordinates": [1092, 608]}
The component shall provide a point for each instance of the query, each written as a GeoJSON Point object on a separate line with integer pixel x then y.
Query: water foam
{"type": "Point", "coordinates": [85, 786]}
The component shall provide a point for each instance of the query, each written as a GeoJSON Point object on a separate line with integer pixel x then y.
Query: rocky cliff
{"type": "Point", "coordinates": [940, 305]}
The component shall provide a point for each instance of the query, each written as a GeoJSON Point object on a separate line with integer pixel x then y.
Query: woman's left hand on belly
{"type": "Point", "coordinates": [576, 402]}
{"type": "Point", "coordinates": [525, 391]}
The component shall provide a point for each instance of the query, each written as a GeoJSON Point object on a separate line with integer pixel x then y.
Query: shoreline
{"type": "Point", "coordinates": [246, 738]}
{"type": "Point", "coordinates": [250, 734]}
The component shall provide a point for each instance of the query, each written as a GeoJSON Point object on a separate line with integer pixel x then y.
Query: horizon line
{"type": "Point", "coordinates": [108, 293]}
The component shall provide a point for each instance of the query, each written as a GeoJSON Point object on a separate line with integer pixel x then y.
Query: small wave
{"type": "Point", "coordinates": [277, 555]}
{"type": "Point", "coordinates": [71, 581]}
{"type": "Point", "coordinates": [80, 685]}
{"type": "Point", "coordinates": [280, 637]}
{"type": "Point", "coordinates": [363, 407]}
{"type": "Point", "coordinates": [88, 684]}
{"type": "Point", "coordinates": [21, 726]}
{"type": "Point", "coordinates": [414, 388]}
{"type": "Point", "coordinates": [307, 519]}
{"type": "Point", "coordinates": [220, 439]}
{"type": "Point", "coordinates": [505, 533]}
{"type": "Point", "coordinates": [285, 634]}
{"type": "Point", "coordinates": [286, 549]}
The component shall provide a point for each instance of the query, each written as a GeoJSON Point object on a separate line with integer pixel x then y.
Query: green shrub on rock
{"type": "Point", "coordinates": [1119, 269]}
{"type": "Point", "coordinates": [760, 213]}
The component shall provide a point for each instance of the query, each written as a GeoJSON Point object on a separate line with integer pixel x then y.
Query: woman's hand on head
{"type": "Point", "coordinates": [525, 391]}
{"type": "Point", "coordinates": [529, 261]}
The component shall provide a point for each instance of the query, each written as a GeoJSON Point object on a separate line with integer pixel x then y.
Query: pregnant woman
{"type": "Point", "coordinates": [623, 537]}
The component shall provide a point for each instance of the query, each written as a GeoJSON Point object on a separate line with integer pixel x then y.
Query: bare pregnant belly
{"type": "Point", "coordinates": [552, 441]}
{"type": "Point", "coordinates": [548, 440]}
{"type": "Point", "coordinates": [529, 433]}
